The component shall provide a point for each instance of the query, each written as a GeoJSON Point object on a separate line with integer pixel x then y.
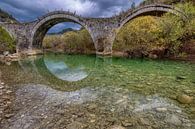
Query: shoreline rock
{"type": "Point", "coordinates": [6, 102]}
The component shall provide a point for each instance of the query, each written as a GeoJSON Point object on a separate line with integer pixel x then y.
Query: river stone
{"type": "Point", "coordinates": [174, 120]}
{"type": "Point", "coordinates": [6, 53]}
{"type": "Point", "coordinates": [161, 109]}
{"type": "Point", "coordinates": [192, 110]}
{"type": "Point", "coordinates": [144, 121]}
{"type": "Point", "coordinates": [126, 123]}
{"type": "Point", "coordinates": [180, 77]}
{"type": "Point", "coordinates": [185, 99]}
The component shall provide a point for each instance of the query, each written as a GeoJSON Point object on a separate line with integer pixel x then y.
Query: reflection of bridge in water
{"type": "Point", "coordinates": [63, 70]}
{"type": "Point", "coordinates": [102, 30]}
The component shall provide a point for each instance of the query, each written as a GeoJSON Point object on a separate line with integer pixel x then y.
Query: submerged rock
{"type": "Point", "coordinates": [180, 77]}
{"type": "Point", "coordinates": [6, 53]}
{"type": "Point", "coordinates": [185, 99]}
{"type": "Point", "coordinates": [174, 120]}
{"type": "Point", "coordinates": [127, 123]}
{"type": "Point", "coordinates": [116, 127]}
{"type": "Point", "coordinates": [161, 109]}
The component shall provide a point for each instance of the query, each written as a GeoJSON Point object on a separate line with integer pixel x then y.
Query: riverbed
{"type": "Point", "coordinates": [91, 92]}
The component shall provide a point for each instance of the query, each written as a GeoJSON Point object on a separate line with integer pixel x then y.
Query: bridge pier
{"type": "Point", "coordinates": [104, 46]}
{"type": "Point", "coordinates": [103, 39]}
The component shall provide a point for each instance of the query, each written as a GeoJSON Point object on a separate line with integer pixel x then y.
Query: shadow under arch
{"type": "Point", "coordinates": [48, 21]}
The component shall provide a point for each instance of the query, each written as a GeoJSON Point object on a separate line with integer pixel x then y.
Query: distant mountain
{"type": "Point", "coordinates": [5, 17]}
{"type": "Point", "coordinates": [62, 32]}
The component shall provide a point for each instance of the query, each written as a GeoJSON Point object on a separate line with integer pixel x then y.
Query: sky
{"type": "Point", "coordinates": [29, 10]}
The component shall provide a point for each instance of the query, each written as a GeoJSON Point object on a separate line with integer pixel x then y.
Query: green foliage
{"type": "Point", "coordinates": [73, 41]}
{"type": "Point", "coordinates": [140, 34]}
{"type": "Point", "coordinates": [175, 31]}
{"type": "Point", "coordinates": [7, 43]}
{"type": "Point", "coordinates": [149, 33]}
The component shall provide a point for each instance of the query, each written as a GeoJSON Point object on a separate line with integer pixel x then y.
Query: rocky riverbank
{"type": "Point", "coordinates": [6, 99]}
{"type": "Point", "coordinates": [39, 106]}
{"type": "Point", "coordinates": [6, 57]}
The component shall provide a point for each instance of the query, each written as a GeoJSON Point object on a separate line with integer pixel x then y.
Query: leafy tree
{"type": "Point", "coordinates": [7, 43]}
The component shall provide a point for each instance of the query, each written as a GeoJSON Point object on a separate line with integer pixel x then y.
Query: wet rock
{"type": "Point", "coordinates": [185, 99]}
{"type": "Point", "coordinates": [192, 110]}
{"type": "Point", "coordinates": [8, 115]}
{"type": "Point", "coordinates": [116, 127]}
{"type": "Point", "coordinates": [161, 109]}
{"type": "Point", "coordinates": [92, 120]}
{"type": "Point", "coordinates": [144, 121]}
{"type": "Point", "coordinates": [174, 120]}
{"type": "Point", "coordinates": [61, 112]}
{"type": "Point", "coordinates": [6, 53]}
{"type": "Point", "coordinates": [180, 77]}
{"type": "Point", "coordinates": [126, 123]}
{"type": "Point", "coordinates": [153, 56]}
{"type": "Point", "coordinates": [92, 106]}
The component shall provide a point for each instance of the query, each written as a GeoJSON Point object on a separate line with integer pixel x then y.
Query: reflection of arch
{"type": "Point", "coordinates": [49, 20]}
{"type": "Point", "coordinates": [154, 9]}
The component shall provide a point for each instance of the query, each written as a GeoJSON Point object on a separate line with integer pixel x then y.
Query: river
{"type": "Point", "coordinates": [86, 91]}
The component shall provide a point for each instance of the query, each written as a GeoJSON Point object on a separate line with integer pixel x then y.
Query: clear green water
{"type": "Point", "coordinates": [167, 79]}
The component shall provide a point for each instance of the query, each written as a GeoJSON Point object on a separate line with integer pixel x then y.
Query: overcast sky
{"type": "Point", "coordinates": [29, 10]}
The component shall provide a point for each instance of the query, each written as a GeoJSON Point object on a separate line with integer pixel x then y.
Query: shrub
{"type": "Point", "coordinates": [73, 41]}
{"type": "Point", "coordinates": [7, 43]}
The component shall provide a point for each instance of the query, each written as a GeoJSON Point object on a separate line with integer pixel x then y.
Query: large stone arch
{"type": "Point", "coordinates": [154, 9]}
{"type": "Point", "coordinates": [46, 22]}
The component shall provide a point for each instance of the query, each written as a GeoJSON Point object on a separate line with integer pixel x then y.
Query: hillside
{"type": "Point", "coordinates": [5, 17]}
{"type": "Point", "coordinates": [61, 32]}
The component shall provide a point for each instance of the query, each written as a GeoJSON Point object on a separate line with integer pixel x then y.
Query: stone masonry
{"type": "Point", "coordinates": [102, 30]}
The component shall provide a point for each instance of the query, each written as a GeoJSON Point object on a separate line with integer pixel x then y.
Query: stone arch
{"type": "Point", "coordinates": [154, 9]}
{"type": "Point", "coordinates": [44, 23]}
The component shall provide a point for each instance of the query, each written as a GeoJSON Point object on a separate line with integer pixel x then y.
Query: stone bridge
{"type": "Point", "coordinates": [102, 30]}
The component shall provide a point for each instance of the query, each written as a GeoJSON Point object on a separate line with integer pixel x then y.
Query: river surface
{"type": "Point", "coordinates": [85, 91]}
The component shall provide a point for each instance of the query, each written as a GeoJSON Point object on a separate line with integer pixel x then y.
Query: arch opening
{"type": "Point", "coordinates": [140, 33]}
{"type": "Point", "coordinates": [43, 37]}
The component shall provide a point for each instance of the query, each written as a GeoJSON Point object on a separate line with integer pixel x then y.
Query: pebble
{"type": "Point", "coordinates": [92, 121]}
{"type": "Point", "coordinates": [126, 123]}
{"type": "Point", "coordinates": [144, 121]}
{"type": "Point", "coordinates": [180, 77]}
{"type": "Point", "coordinates": [174, 120]}
{"type": "Point", "coordinates": [161, 109]}
{"type": "Point", "coordinates": [8, 115]}
{"type": "Point", "coordinates": [185, 99]}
